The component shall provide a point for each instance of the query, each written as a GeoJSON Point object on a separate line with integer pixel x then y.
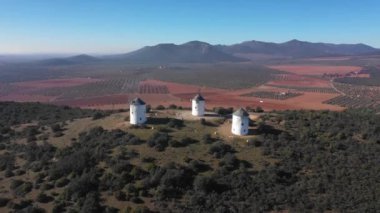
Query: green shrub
{"type": "Point", "coordinates": [4, 201]}
{"type": "Point", "coordinates": [43, 198]}
{"type": "Point", "coordinates": [160, 107]}
{"type": "Point", "coordinates": [172, 106]}
{"type": "Point", "coordinates": [98, 115]}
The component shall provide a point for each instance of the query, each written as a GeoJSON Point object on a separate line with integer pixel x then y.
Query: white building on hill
{"type": "Point", "coordinates": [137, 112]}
{"type": "Point", "coordinates": [240, 122]}
{"type": "Point", "coordinates": [198, 105]}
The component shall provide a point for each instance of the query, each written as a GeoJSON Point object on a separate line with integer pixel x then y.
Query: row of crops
{"type": "Point", "coordinates": [103, 88]}
{"type": "Point", "coordinates": [287, 77]}
{"type": "Point", "coordinates": [272, 95]}
{"type": "Point", "coordinates": [306, 89]}
{"type": "Point", "coordinates": [368, 92]}
{"type": "Point", "coordinates": [373, 80]}
{"type": "Point", "coordinates": [100, 88]}
{"type": "Point", "coordinates": [356, 96]}
{"type": "Point", "coordinates": [353, 102]}
{"type": "Point", "coordinates": [153, 89]}
{"type": "Point", "coordinates": [217, 75]}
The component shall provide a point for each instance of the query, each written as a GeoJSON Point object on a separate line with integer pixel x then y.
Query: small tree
{"type": "Point", "coordinates": [148, 108]}
{"type": "Point", "coordinates": [203, 121]}
{"type": "Point", "coordinates": [43, 198]}
{"type": "Point", "coordinates": [259, 109]}
{"type": "Point", "coordinates": [120, 195]}
{"type": "Point", "coordinates": [172, 106]}
{"type": "Point", "coordinates": [55, 128]}
{"type": "Point", "coordinates": [160, 107]}
{"type": "Point", "coordinates": [207, 139]}
{"type": "Point", "coordinates": [4, 201]}
{"type": "Point", "coordinates": [91, 203]}
{"type": "Point", "coordinates": [98, 115]}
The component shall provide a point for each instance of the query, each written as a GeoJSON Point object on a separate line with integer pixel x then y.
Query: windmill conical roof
{"type": "Point", "coordinates": [241, 112]}
{"type": "Point", "coordinates": [137, 101]}
{"type": "Point", "coordinates": [198, 97]}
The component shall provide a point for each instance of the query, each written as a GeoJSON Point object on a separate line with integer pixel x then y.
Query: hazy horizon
{"type": "Point", "coordinates": [68, 54]}
{"type": "Point", "coordinates": [100, 27]}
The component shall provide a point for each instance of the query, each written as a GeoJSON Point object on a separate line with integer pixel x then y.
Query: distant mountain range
{"type": "Point", "coordinates": [202, 52]}
{"type": "Point", "coordinates": [78, 59]}
{"type": "Point", "coordinates": [197, 51]}
{"type": "Point", "coordinates": [193, 51]}
{"type": "Point", "coordinates": [298, 49]}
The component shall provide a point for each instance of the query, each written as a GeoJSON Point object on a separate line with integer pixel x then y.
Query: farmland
{"type": "Point", "coordinates": [369, 92]}
{"type": "Point", "coordinates": [356, 96]}
{"type": "Point", "coordinates": [306, 89]}
{"type": "Point", "coordinates": [299, 81]}
{"type": "Point", "coordinates": [373, 80]}
{"type": "Point", "coordinates": [153, 89]}
{"type": "Point", "coordinates": [99, 88]}
{"type": "Point", "coordinates": [353, 102]}
{"type": "Point", "coordinates": [223, 76]}
{"type": "Point", "coordinates": [273, 95]}
{"type": "Point", "coordinates": [316, 70]}
{"type": "Point", "coordinates": [223, 84]}
{"type": "Point", "coordinates": [53, 83]}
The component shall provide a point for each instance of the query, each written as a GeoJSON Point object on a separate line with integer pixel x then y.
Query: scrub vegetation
{"type": "Point", "coordinates": [302, 161]}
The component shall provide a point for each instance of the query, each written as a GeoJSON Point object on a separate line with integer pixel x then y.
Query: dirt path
{"type": "Point", "coordinates": [336, 89]}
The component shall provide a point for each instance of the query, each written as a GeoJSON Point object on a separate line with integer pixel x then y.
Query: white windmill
{"type": "Point", "coordinates": [137, 112]}
{"type": "Point", "coordinates": [240, 122]}
{"type": "Point", "coordinates": [198, 105]}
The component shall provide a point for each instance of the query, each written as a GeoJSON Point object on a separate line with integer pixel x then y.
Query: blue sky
{"type": "Point", "coordinates": [116, 26]}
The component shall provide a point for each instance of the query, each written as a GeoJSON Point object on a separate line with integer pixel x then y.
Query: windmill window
{"type": "Point", "coordinates": [242, 124]}
{"type": "Point", "coordinates": [140, 119]}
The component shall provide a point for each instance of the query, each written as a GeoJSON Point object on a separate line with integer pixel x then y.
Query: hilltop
{"type": "Point", "coordinates": [94, 161]}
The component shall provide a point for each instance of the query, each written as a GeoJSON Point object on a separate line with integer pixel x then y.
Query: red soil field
{"type": "Point", "coordinates": [314, 101]}
{"type": "Point", "coordinates": [306, 101]}
{"type": "Point", "coordinates": [26, 98]}
{"type": "Point", "coordinates": [316, 69]}
{"type": "Point", "coordinates": [181, 94]}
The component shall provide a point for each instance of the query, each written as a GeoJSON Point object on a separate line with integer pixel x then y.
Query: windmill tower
{"type": "Point", "coordinates": [198, 105]}
{"type": "Point", "coordinates": [240, 122]}
{"type": "Point", "coordinates": [137, 112]}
